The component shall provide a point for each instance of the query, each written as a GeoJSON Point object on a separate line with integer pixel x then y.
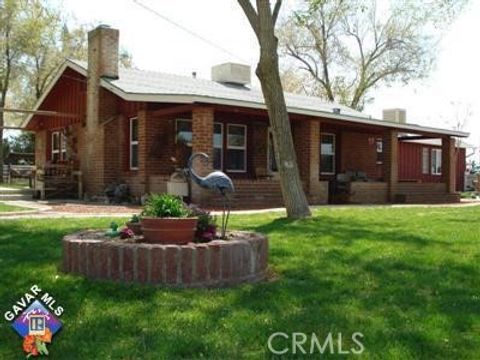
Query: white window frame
{"type": "Point", "coordinates": [379, 149]}
{"type": "Point", "coordinates": [244, 147]}
{"type": "Point", "coordinates": [436, 154]}
{"type": "Point", "coordinates": [131, 143]}
{"type": "Point", "coordinates": [63, 146]}
{"type": "Point", "coordinates": [53, 150]}
{"type": "Point", "coordinates": [425, 160]}
{"type": "Point", "coordinates": [334, 153]}
{"type": "Point", "coordinates": [269, 164]}
{"type": "Point", "coordinates": [222, 134]}
{"type": "Point", "coordinates": [176, 129]}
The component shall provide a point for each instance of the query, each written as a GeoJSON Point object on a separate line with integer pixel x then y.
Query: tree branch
{"type": "Point", "coordinates": [276, 11]}
{"type": "Point", "coordinates": [251, 14]}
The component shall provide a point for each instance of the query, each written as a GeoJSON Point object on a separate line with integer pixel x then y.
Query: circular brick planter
{"type": "Point", "coordinates": [242, 258]}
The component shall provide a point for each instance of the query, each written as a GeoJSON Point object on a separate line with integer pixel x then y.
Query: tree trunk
{"type": "Point", "coordinates": [292, 189]}
{"type": "Point", "coordinates": [263, 23]}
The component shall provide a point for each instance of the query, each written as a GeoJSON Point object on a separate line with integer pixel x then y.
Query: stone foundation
{"type": "Point", "coordinates": [241, 258]}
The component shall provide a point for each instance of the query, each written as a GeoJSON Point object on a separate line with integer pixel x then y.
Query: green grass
{"type": "Point", "coordinates": [10, 208]}
{"type": "Point", "coordinates": [407, 278]}
{"type": "Point", "coordinates": [468, 195]}
{"type": "Point", "coordinates": [19, 184]}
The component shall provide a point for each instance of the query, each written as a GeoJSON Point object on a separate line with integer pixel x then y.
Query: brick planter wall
{"type": "Point", "coordinates": [243, 258]}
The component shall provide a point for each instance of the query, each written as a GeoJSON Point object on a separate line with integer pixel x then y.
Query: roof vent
{"type": "Point", "coordinates": [336, 110]}
{"type": "Point", "coordinates": [395, 115]}
{"type": "Point", "coordinates": [231, 73]}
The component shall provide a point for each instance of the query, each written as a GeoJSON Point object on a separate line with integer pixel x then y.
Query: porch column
{"type": "Point", "coordinates": [41, 148]}
{"type": "Point", "coordinates": [449, 164]}
{"type": "Point", "coordinates": [143, 151]}
{"type": "Point", "coordinates": [390, 163]}
{"type": "Point", "coordinates": [202, 141]}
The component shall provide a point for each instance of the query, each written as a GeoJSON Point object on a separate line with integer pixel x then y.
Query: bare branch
{"type": "Point", "coordinates": [251, 14]}
{"type": "Point", "coordinates": [276, 11]}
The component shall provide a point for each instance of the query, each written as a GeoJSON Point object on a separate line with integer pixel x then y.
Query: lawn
{"type": "Point", "coordinates": [10, 208]}
{"type": "Point", "coordinates": [18, 184]}
{"type": "Point", "coordinates": [406, 278]}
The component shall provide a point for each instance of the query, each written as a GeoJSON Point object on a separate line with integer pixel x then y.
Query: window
{"type": "Point", "coordinates": [236, 148]}
{"type": "Point", "coordinates": [55, 146]}
{"type": "Point", "coordinates": [63, 147]}
{"type": "Point", "coordinates": [217, 146]}
{"type": "Point", "coordinates": [327, 154]}
{"type": "Point", "coordinates": [436, 161]}
{"type": "Point", "coordinates": [425, 161]}
{"type": "Point", "coordinates": [184, 132]}
{"type": "Point", "coordinates": [133, 143]}
{"type": "Point", "coordinates": [379, 144]}
{"type": "Point", "coordinates": [272, 162]}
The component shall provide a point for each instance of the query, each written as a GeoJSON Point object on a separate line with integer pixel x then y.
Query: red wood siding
{"type": "Point", "coordinates": [410, 164]}
{"type": "Point", "coordinates": [69, 95]}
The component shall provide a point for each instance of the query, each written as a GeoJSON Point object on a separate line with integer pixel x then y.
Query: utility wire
{"type": "Point", "coordinates": [190, 32]}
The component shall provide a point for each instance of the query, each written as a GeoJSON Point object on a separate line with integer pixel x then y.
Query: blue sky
{"type": "Point", "coordinates": [157, 45]}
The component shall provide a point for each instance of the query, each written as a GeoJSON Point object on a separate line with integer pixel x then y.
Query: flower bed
{"type": "Point", "coordinates": [241, 258]}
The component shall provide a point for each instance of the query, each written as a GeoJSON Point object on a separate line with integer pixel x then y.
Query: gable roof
{"type": "Point", "coordinates": [150, 86]}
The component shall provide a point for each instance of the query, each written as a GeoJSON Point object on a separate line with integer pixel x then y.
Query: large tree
{"type": "Point", "coordinates": [34, 41]}
{"type": "Point", "coordinates": [13, 41]}
{"type": "Point", "coordinates": [348, 47]}
{"type": "Point", "coordinates": [263, 19]}
{"type": "Point", "coordinates": [50, 43]}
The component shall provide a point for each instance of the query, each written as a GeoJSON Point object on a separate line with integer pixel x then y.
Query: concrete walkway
{"type": "Point", "coordinates": [78, 209]}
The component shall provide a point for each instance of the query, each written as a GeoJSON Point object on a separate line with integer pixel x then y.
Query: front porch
{"type": "Point", "coordinates": [339, 161]}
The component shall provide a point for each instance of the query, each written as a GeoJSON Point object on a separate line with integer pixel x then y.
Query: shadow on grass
{"type": "Point", "coordinates": [410, 293]}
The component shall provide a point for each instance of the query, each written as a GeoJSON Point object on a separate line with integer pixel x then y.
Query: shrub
{"type": "Point", "coordinates": [165, 205]}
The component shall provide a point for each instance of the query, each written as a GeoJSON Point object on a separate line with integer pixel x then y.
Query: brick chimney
{"type": "Point", "coordinates": [103, 51]}
{"type": "Point", "coordinates": [102, 63]}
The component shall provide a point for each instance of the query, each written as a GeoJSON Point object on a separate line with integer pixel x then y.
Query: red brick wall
{"type": "Point", "coordinates": [359, 153]}
{"type": "Point", "coordinates": [301, 136]}
{"type": "Point", "coordinates": [258, 150]}
{"type": "Point", "coordinates": [202, 141]}
{"type": "Point", "coordinates": [243, 258]}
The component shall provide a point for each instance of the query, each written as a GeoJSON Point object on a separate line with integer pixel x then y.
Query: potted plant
{"type": "Point", "coordinates": [166, 220]}
{"type": "Point", "coordinates": [134, 224]}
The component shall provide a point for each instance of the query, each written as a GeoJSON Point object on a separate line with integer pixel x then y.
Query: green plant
{"type": "Point", "coordinates": [135, 218]}
{"type": "Point", "coordinates": [113, 230]}
{"type": "Point", "coordinates": [206, 225]}
{"type": "Point", "coordinates": [165, 205]}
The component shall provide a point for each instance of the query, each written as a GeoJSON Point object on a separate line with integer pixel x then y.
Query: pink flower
{"type": "Point", "coordinates": [126, 233]}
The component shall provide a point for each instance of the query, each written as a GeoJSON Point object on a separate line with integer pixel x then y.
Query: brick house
{"type": "Point", "coordinates": [137, 127]}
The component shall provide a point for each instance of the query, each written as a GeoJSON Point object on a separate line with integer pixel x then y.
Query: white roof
{"type": "Point", "coordinates": [150, 86]}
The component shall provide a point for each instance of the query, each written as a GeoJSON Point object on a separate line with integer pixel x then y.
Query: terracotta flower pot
{"type": "Point", "coordinates": [136, 227]}
{"type": "Point", "coordinates": [168, 230]}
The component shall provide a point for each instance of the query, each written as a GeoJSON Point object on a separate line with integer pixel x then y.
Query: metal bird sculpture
{"type": "Point", "coordinates": [216, 181]}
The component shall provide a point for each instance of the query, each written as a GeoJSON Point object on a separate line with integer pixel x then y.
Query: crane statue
{"type": "Point", "coordinates": [216, 181]}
